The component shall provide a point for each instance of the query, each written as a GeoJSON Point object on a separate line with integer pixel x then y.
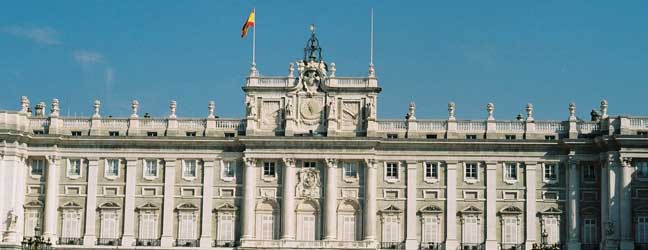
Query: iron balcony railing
{"type": "Point", "coordinates": [148, 242]}
{"type": "Point", "coordinates": [432, 246]}
{"type": "Point", "coordinates": [109, 241]}
{"type": "Point", "coordinates": [70, 241]}
{"type": "Point", "coordinates": [225, 243]}
{"type": "Point", "coordinates": [187, 243]}
{"type": "Point", "coordinates": [512, 246]}
{"type": "Point", "coordinates": [472, 246]}
{"type": "Point", "coordinates": [391, 245]}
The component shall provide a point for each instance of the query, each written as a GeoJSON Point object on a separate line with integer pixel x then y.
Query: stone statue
{"type": "Point", "coordinates": [24, 104]}
{"type": "Point", "coordinates": [289, 107]}
{"type": "Point", "coordinates": [251, 108]}
{"type": "Point", "coordinates": [172, 106]}
{"type": "Point", "coordinates": [371, 108]}
{"type": "Point", "coordinates": [134, 107]}
{"type": "Point", "coordinates": [55, 108]}
{"type": "Point", "coordinates": [291, 70]}
{"type": "Point", "coordinates": [596, 117]}
{"type": "Point", "coordinates": [12, 220]}
{"type": "Point", "coordinates": [451, 111]}
{"type": "Point", "coordinates": [332, 110]}
{"type": "Point", "coordinates": [529, 110]}
{"type": "Point", "coordinates": [332, 69]}
{"type": "Point", "coordinates": [372, 71]}
{"type": "Point", "coordinates": [210, 107]}
{"type": "Point", "coordinates": [572, 111]}
{"type": "Point", "coordinates": [489, 108]}
{"type": "Point", "coordinates": [40, 109]}
{"type": "Point", "coordinates": [300, 67]}
{"type": "Point", "coordinates": [604, 108]}
{"type": "Point", "coordinates": [96, 106]}
{"type": "Point", "coordinates": [411, 115]}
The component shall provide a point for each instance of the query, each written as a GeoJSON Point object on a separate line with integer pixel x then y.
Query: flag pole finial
{"type": "Point", "coordinates": [312, 28]}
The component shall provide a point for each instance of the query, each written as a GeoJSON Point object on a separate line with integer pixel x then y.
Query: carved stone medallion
{"type": "Point", "coordinates": [309, 183]}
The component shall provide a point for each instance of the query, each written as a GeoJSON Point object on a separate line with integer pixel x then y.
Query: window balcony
{"type": "Point", "coordinates": [641, 246]}
{"type": "Point", "coordinates": [512, 246]}
{"type": "Point", "coordinates": [70, 241]}
{"type": "Point", "coordinates": [187, 243]}
{"type": "Point", "coordinates": [592, 246]}
{"type": "Point", "coordinates": [225, 243]}
{"type": "Point", "coordinates": [392, 245]}
{"type": "Point", "coordinates": [108, 241]}
{"type": "Point", "coordinates": [432, 246]}
{"type": "Point", "coordinates": [148, 242]}
{"type": "Point", "coordinates": [473, 246]}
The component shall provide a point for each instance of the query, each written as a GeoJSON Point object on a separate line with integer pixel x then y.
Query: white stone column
{"type": "Point", "coordinates": [128, 238]}
{"type": "Point", "coordinates": [249, 198]}
{"type": "Point", "coordinates": [168, 204]}
{"type": "Point", "coordinates": [604, 201]}
{"type": "Point", "coordinates": [90, 237]}
{"type": "Point", "coordinates": [207, 202]}
{"type": "Point", "coordinates": [491, 208]}
{"type": "Point", "coordinates": [411, 243]}
{"type": "Point", "coordinates": [531, 221]}
{"type": "Point", "coordinates": [51, 198]}
{"type": "Point", "coordinates": [627, 171]}
{"type": "Point", "coordinates": [573, 200]}
{"type": "Point", "coordinates": [12, 194]}
{"type": "Point", "coordinates": [288, 196]}
{"type": "Point", "coordinates": [451, 205]}
{"type": "Point", "coordinates": [370, 200]}
{"type": "Point", "coordinates": [613, 198]}
{"type": "Point", "coordinates": [330, 211]}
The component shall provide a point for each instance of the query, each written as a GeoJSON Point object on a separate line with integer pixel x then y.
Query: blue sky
{"type": "Point", "coordinates": [432, 52]}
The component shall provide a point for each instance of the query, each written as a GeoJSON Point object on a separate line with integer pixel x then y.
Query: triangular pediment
{"type": "Point", "coordinates": [431, 209]}
{"type": "Point", "coordinates": [34, 204]}
{"type": "Point", "coordinates": [71, 205]}
{"type": "Point", "coordinates": [391, 209]}
{"type": "Point", "coordinates": [110, 205]}
{"type": "Point", "coordinates": [148, 206]}
{"type": "Point", "coordinates": [226, 207]}
{"type": "Point", "coordinates": [187, 206]}
{"type": "Point", "coordinates": [511, 210]}
{"type": "Point", "coordinates": [552, 210]}
{"type": "Point", "coordinates": [471, 210]}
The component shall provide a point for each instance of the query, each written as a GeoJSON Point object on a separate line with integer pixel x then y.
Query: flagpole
{"type": "Point", "coordinates": [254, 39]}
{"type": "Point", "coordinates": [371, 46]}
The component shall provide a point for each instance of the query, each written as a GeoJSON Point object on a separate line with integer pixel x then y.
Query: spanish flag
{"type": "Point", "coordinates": [249, 23]}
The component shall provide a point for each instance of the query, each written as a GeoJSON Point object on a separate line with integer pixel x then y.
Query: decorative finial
{"type": "Point", "coordinates": [134, 106]}
{"type": "Point", "coordinates": [411, 112]}
{"type": "Point", "coordinates": [253, 70]}
{"type": "Point", "coordinates": [97, 105]}
{"type": "Point", "coordinates": [372, 71]}
{"type": "Point", "coordinates": [489, 108]}
{"type": "Point", "coordinates": [572, 111]}
{"type": "Point", "coordinates": [210, 107]}
{"type": "Point", "coordinates": [55, 108]}
{"type": "Point", "coordinates": [332, 69]}
{"type": "Point", "coordinates": [451, 111]}
{"type": "Point", "coordinates": [24, 104]}
{"type": "Point", "coordinates": [312, 28]}
{"type": "Point", "coordinates": [529, 110]}
{"type": "Point", "coordinates": [604, 109]}
{"type": "Point", "coordinates": [172, 107]}
{"type": "Point", "coordinates": [291, 70]}
{"type": "Point", "coordinates": [40, 109]}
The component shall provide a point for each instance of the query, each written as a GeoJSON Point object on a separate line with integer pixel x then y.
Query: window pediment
{"type": "Point", "coordinates": [110, 205]}
{"type": "Point", "coordinates": [187, 206]}
{"type": "Point", "coordinates": [71, 205]}
{"type": "Point", "coordinates": [148, 206]}
{"type": "Point", "coordinates": [226, 207]}
{"type": "Point", "coordinates": [552, 211]}
{"type": "Point", "coordinates": [511, 210]}
{"type": "Point", "coordinates": [391, 210]}
{"type": "Point", "coordinates": [471, 210]}
{"type": "Point", "coordinates": [33, 204]}
{"type": "Point", "coordinates": [431, 209]}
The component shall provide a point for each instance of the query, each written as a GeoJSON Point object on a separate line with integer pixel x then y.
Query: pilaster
{"type": "Point", "coordinates": [128, 239]}
{"type": "Point", "coordinates": [451, 204]}
{"type": "Point", "coordinates": [207, 198]}
{"type": "Point", "coordinates": [612, 239]}
{"type": "Point", "coordinates": [51, 198]}
{"type": "Point", "coordinates": [573, 199]}
{"type": "Point", "coordinates": [90, 237]}
{"type": "Point", "coordinates": [330, 212]}
{"type": "Point", "coordinates": [411, 243]}
{"type": "Point", "coordinates": [491, 208]}
{"type": "Point", "coordinates": [249, 184]}
{"type": "Point", "coordinates": [168, 204]}
{"type": "Point", "coordinates": [604, 200]}
{"type": "Point", "coordinates": [370, 200]}
{"type": "Point", "coordinates": [625, 188]}
{"type": "Point", "coordinates": [531, 222]}
{"type": "Point", "coordinates": [288, 207]}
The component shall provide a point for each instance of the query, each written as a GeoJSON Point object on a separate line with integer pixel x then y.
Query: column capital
{"type": "Point", "coordinates": [331, 162]}
{"type": "Point", "coordinates": [289, 162]}
{"type": "Point", "coordinates": [250, 161]}
{"type": "Point", "coordinates": [370, 162]}
{"type": "Point", "coordinates": [626, 161]}
{"type": "Point", "coordinates": [52, 159]}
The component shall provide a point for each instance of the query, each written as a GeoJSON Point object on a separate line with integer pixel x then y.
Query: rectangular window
{"type": "Point", "coordinates": [390, 229]}
{"type": "Point", "coordinates": [550, 172]}
{"type": "Point", "coordinates": [642, 229]}
{"type": "Point", "coordinates": [431, 170]}
{"type": "Point", "coordinates": [191, 134]}
{"type": "Point", "coordinates": [307, 232]}
{"type": "Point", "coordinates": [39, 132]}
{"type": "Point", "coordinates": [642, 169]}
{"type": "Point", "coordinates": [269, 169]}
{"type": "Point", "coordinates": [32, 219]}
{"type": "Point", "coordinates": [113, 133]}
{"type": "Point", "coordinates": [310, 164]}
{"type": "Point", "coordinates": [189, 170]}
{"type": "Point", "coordinates": [150, 168]}
{"type": "Point", "coordinates": [350, 169]}
{"type": "Point", "coordinates": [470, 171]}
{"type": "Point", "coordinates": [225, 227]}
{"type": "Point", "coordinates": [553, 232]}
{"type": "Point", "coordinates": [550, 137]}
{"type": "Point", "coordinates": [229, 169]}
{"type": "Point", "coordinates": [230, 135]}
{"type": "Point", "coordinates": [71, 224]}
{"type": "Point", "coordinates": [589, 173]}
{"type": "Point", "coordinates": [348, 228]}
{"type": "Point", "coordinates": [267, 227]}
{"type": "Point", "coordinates": [186, 226]}
{"type": "Point", "coordinates": [471, 137]}
{"type": "Point", "coordinates": [76, 133]}
{"type": "Point", "coordinates": [148, 226]}
{"type": "Point", "coordinates": [471, 230]}
{"type": "Point", "coordinates": [510, 230]}
{"type": "Point", "coordinates": [510, 171]}
{"type": "Point", "coordinates": [112, 168]}
{"type": "Point", "coordinates": [392, 136]}
{"type": "Point", "coordinates": [151, 133]}
{"type": "Point", "coordinates": [109, 225]}
{"type": "Point", "coordinates": [37, 167]}
{"type": "Point", "coordinates": [509, 137]}
{"type": "Point", "coordinates": [431, 136]}
{"type": "Point", "coordinates": [430, 230]}
{"type": "Point", "coordinates": [75, 168]}
{"type": "Point", "coordinates": [391, 170]}
{"type": "Point", "coordinates": [589, 231]}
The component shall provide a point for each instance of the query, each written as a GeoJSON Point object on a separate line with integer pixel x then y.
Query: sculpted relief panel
{"type": "Point", "coordinates": [351, 114]}
{"type": "Point", "coordinates": [271, 115]}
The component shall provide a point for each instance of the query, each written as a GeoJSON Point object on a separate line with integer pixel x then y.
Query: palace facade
{"type": "Point", "coordinates": [312, 167]}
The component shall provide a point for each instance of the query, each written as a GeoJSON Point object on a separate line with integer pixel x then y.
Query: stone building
{"type": "Point", "coordinates": [312, 167]}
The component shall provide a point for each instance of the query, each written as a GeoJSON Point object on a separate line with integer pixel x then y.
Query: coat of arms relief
{"type": "Point", "coordinates": [309, 183]}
